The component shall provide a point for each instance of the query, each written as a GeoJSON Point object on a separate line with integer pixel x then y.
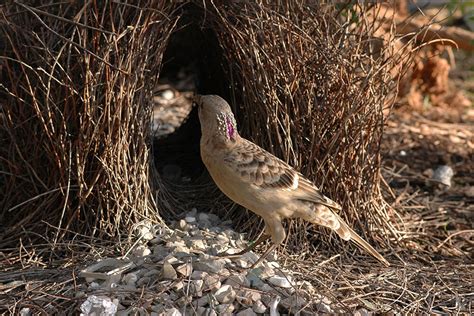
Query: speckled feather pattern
{"type": "Point", "coordinates": [261, 182]}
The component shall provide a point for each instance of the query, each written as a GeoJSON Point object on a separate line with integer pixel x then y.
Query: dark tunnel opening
{"type": "Point", "coordinates": [193, 63]}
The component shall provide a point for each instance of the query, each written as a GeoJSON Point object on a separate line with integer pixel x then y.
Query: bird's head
{"type": "Point", "coordinates": [216, 117]}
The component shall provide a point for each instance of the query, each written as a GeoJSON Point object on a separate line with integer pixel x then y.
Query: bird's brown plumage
{"type": "Point", "coordinates": [261, 182]}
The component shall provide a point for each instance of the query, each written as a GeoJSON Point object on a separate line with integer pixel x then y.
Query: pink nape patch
{"type": "Point", "coordinates": [230, 128]}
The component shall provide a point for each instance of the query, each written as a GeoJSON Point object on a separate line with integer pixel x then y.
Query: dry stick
{"type": "Point", "coordinates": [71, 42]}
{"type": "Point", "coordinates": [471, 231]}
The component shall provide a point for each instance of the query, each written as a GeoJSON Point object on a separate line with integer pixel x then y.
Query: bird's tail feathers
{"type": "Point", "coordinates": [346, 233]}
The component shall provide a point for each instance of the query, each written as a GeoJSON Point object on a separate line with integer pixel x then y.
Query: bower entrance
{"type": "Point", "coordinates": [192, 63]}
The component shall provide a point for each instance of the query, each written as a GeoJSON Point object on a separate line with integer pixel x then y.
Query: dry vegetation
{"type": "Point", "coordinates": [313, 86]}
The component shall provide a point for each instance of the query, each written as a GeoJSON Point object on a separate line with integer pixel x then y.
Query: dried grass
{"type": "Point", "coordinates": [310, 82]}
{"type": "Point", "coordinates": [75, 115]}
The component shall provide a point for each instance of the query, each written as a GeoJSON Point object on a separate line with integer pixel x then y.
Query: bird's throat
{"type": "Point", "coordinates": [230, 128]}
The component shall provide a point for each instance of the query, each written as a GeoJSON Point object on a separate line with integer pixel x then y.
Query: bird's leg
{"type": "Point", "coordinates": [261, 239]}
{"type": "Point", "coordinates": [272, 247]}
{"type": "Point", "coordinates": [276, 230]}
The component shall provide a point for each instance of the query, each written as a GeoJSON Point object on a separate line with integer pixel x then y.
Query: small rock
{"type": "Point", "coordinates": [152, 272]}
{"type": "Point", "coordinates": [160, 251]}
{"type": "Point", "coordinates": [324, 305]}
{"type": "Point", "coordinates": [190, 219]}
{"type": "Point", "coordinates": [216, 249]}
{"type": "Point", "coordinates": [183, 300]}
{"type": "Point", "coordinates": [280, 282]}
{"type": "Point", "coordinates": [158, 308]}
{"type": "Point", "coordinates": [225, 294]}
{"type": "Point", "coordinates": [293, 303]}
{"type": "Point", "coordinates": [323, 308]}
{"type": "Point", "coordinates": [199, 275]}
{"type": "Point", "coordinates": [145, 231]}
{"type": "Point", "coordinates": [203, 217]}
{"type": "Point", "coordinates": [237, 281]}
{"type": "Point", "coordinates": [168, 272]}
{"type": "Point", "coordinates": [259, 308]}
{"type": "Point", "coordinates": [272, 265]}
{"type": "Point", "coordinates": [130, 279]}
{"type": "Point", "coordinates": [195, 287]}
{"type": "Point", "coordinates": [172, 312]}
{"type": "Point", "coordinates": [248, 298]}
{"type": "Point", "coordinates": [200, 311]}
{"type": "Point", "coordinates": [25, 311]}
{"type": "Point", "coordinates": [225, 309]}
{"type": "Point", "coordinates": [171, 259]}
{"type": "Point", "coordinates": [178, 286]}
{"type": "Point", "coordinates": [192, 213]}
{"type": "Point", "coordinates": [182, 224]}
{"type": "Point", "coordinates": [141, 251]}
{"type": "Point", "coordinates": [443, 174]}
{"type": "Point", "coordinates": [222, 238]}
{"type": "Point", "coordinates": [265, 288]}
{"type": "Point", "coordinates": [246, 312]}
{"type": "Point", "coordinates": [196, 244]}
{"type": "Point", "coordinates": [254, 279]}
{"type": "Point", "coordinates": [250, 257]}
{"type": "Point", "coordinates": [211, 283]}
{"type": "Point", "coordinates": [274, 305]}
{"type": "Point", "coordinates": [208, 312]}
{"type": "Point", "coordinates": [209, 265]}
{"type": "Point", "coordinates": [185, 269]}
{"type": "Point", "coordinates": [99, 305]}
{"type": "Point", "coordinates": [242, 263]}
{"type": "Point", "coordinates": [205, 300]}
{"type": "Point", "coordinates": [143, 281]}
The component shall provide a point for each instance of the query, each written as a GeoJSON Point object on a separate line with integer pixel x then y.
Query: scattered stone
{"type": "Point", "coordinates": [196, 244]}
{"type": "Point", "coordinates": [190, 219]}
{"type": "Point", "coordinates": [203, 217]}
{"type": "Point", "coordinates": [199, 275]}
{"type": "Point", "coordinates": [280, 281]}
{"type": "Point", "coordinates": [443, 174]}
{"type": "Point", "coordinates": [208, 312]}
{"type": "Point", "coordinates": [200, 311]}
{"type": "Point", "coordinates": [185, 269]}
{"type": "Point", "coordinates": [178, 286]}
{"type": "Point", "coordinates": [141, 251]}
{"type": "Point", "coordinates": [168, 272]}
{"type": "Point", "coordinates": [212, 283]}
{"type": "Point", "coordinates": [242, 263]}
{"type": "Point", "coordinates": [274, 305]}
{"type": "Point", "coordinates": [152, 273]}
{"type": "Point", "coordinates": [144, 281]}
{"type": "Point", "coordinates": [259, 308]}
{"type": "Point", "coordinates": [195, 287]}
{"type": "Point", "coordinates": [293, 303]}
{"type": "Point", "coordinates": [225, 309]}
{"type": "Point", "coordinates": [248, 298]}
{"type": "Point", "coordinates": [208, 265]}
{"type": "Point", "coordinates": [130, 279]}
{"type": "Point", "coordinates": [172, 312]}
{"type": "Point", "coordinates": [225, 294]}
{"type": "Point", "coordinates": [99, 305]}
{"type": "Point", "coordinates": [238, 281]}
{"type": "Point", "coordinates": [195, 281]}
{"type": "Point", "coordinates": [182, 224]}
{"type": "Point", "coordinates": [246, 312]}
{"type": "Point", "coordinates": [25, 311]}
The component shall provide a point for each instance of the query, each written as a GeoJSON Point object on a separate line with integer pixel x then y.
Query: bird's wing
{"type": "Point", "coordinates": [258, 167]}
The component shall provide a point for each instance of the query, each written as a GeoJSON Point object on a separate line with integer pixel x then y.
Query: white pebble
{"type": "Point", "coordinates": [280, 281]}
